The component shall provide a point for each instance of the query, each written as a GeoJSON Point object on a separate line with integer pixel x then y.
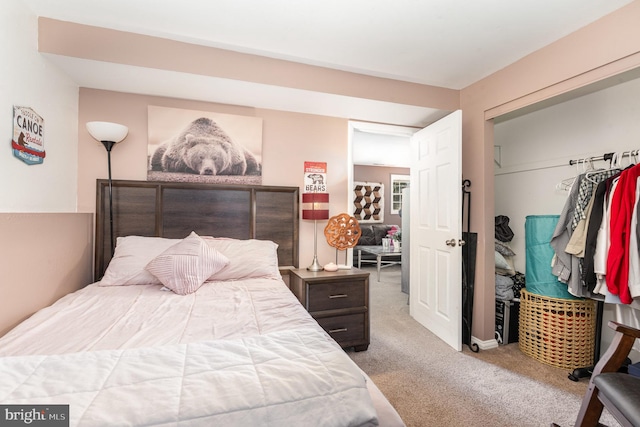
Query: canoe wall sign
{"type": "Point", "coordinates": [28, 136]}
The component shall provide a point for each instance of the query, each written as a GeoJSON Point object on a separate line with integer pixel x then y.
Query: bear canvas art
{"type": "Point", "coordinates": [201, 150]}
{"type": "Point", "coordinates": [204, 148]}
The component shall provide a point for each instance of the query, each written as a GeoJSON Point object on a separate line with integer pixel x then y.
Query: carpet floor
{"type": "Point", "coordinates": [430, 384]}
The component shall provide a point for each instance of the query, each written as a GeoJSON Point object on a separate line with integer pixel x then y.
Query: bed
{"type": "Point", "coordinates": [190, 322]}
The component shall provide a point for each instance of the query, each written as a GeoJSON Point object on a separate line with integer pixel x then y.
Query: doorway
{"type": "Point", "coordinates": [380, 155]}
{"type": "Point", "coordinates": [434, 160]}
{"type": "Point", "coordinates": [378, 152]}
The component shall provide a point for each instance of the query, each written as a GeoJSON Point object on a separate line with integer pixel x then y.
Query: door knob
{"type": "Point", "coordinates": [461, 242]}
{"type": "Point", "coordinates": [451, 242]}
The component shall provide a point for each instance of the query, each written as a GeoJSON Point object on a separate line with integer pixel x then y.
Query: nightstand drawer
{"type": "Point", "coordinates": [338, 300]}
{"type": "Point", "coordinates": [336, 295]}
{"type": "Point", "coordinates": [345, 329]}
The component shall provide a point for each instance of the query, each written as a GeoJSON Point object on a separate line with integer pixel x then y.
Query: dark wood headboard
{"type": "Point", "coordinates": [173, 210]}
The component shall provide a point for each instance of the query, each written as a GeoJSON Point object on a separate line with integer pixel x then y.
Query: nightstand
{"type": "Point", "coordinates": [338, 300]}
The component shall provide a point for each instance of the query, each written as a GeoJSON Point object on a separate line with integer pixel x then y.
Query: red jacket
{"type": "Point", "coordinates": [622, 204]}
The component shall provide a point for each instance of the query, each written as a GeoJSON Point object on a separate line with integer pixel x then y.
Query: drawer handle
{"type": "Point", "coordinates": [338, 296]}
{"type": "Point", "coordinates": [333, 331]}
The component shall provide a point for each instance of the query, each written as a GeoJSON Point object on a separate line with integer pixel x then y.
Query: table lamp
{"type": "Point", "coordinates": [314, 207]}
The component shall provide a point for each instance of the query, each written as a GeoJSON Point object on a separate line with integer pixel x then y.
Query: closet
{"type": "Point", "coordinates": [534, 150]}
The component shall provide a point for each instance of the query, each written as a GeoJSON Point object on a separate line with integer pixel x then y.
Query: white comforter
{"type": "Point", "coordinates": [128, 355]}
{"type": "Point", "coordinates": [105, 318]}
{"type": "Point", "coordinates": [286, 378]}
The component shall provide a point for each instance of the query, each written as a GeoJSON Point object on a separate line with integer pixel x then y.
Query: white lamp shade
{"type": "Point", "coordinates": [106, 131]}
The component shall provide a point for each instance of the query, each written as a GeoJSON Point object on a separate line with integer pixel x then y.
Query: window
{"type": "Point", "coordinates": [398, 183]}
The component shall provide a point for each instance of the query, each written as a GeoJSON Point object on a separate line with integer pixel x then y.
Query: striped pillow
{"type": "Point", "coordinates": [185, 266]}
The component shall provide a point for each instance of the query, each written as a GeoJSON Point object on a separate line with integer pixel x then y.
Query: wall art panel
{"type": "Point", "coordinates": [368, 202]}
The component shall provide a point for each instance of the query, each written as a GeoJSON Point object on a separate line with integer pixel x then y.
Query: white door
{"type": "Point", "coordinates": [436, 229]}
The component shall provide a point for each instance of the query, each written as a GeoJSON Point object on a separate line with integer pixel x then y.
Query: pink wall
{"type": "Point", "coordinates": [29, 79]}
{"type": "Point", "coordinates": [100, 44]}
{"type": "Point", "coordinates": [289, 139]}
{"type": "Point", "coordinates": [600, 50]}
{"type": "Point", "coordinates": [43, 256]}
{"type": "Point", "coordinates": [382, 175]}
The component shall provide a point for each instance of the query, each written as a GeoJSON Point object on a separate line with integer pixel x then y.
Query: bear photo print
{"type": "Point", "coordinates": [202, 146]}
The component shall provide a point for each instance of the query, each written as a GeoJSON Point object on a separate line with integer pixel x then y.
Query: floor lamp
{"type": "Point", "coordinates": [315, 207]}
{"type": "Point", "coordinates": [109, 134]}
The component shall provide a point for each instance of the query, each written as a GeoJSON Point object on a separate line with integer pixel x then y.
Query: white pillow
{"type": "Point", "coordinates": [185, 266]}
{"type": "Point", "coordinates": [131, 256]}
{"type": "Point", "coordinates": [501, 262]}
{"type": "Point", "coordinates": [504, 265]}
{"type": "Point", "coordinates": [247, 258]}
{"type": "Point", "coordinates": [503, 248]}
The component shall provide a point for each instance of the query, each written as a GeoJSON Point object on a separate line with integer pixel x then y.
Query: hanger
{"type": "Point", "coordinates": [632, 155]}
{"type": "Point", "coordinates": [617, 160]}
{"type": "Point", "coordinates": [593, 171]}
{"type": "Point", "coordinates": [567, 183]}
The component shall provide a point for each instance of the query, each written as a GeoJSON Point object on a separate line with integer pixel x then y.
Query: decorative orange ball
{"type": "Point", "coordinates": [342, 231]}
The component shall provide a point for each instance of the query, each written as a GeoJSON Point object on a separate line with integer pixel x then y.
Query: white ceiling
{"type": "Point", "coordinates": [448, 43]}
{"type": "Point", "coordinates": [378, 149]}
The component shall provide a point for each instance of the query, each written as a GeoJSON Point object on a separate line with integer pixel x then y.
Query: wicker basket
{"type": "Point", "coordinates": [557, 332]}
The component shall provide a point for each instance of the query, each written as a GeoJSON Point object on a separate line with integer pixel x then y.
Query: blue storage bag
{"type": "Point", "coordinates": [539, 279]}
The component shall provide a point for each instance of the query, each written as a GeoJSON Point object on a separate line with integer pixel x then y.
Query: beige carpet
{"type": "Point", "coordinates": [430, 384]}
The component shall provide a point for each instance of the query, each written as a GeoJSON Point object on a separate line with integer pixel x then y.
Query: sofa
{"type": "Point", "coordinates": [372, 235]}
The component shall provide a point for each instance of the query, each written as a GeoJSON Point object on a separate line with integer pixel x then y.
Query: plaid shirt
{"type": "Point", "coordinates": [587, 187]}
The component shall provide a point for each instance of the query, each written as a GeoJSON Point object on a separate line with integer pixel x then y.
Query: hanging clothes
{"type": "Point", "coordinates": [600, 244]}
{"type": "Point", "coordinates": [581, 220]}
{"type": "Point", "coordinates": [578, 240]}
{"type": "Point", "coordinates": [595, 222]}
{"type": "Point", "coordinates": [565, 266]}
{"type": "Point", "coordinates": [622, 206]}
{"type": "Point", "coordinates": [595, 228]}
{"type": "Point", "coordinates": [603, 243]}
{"type": "Point", "coordinates": [634, 249]}
{"type": "Point", "coordinates": [586, 191]}
{"type": "Point", "coordinates": [597, 239]}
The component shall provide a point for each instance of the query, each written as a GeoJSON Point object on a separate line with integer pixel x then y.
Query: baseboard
{"type": "Point", "coordinates": [485, 345]}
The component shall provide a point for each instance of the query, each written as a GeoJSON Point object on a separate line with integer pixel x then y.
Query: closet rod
{"type": "Point", "coordinates": [606, 156]}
